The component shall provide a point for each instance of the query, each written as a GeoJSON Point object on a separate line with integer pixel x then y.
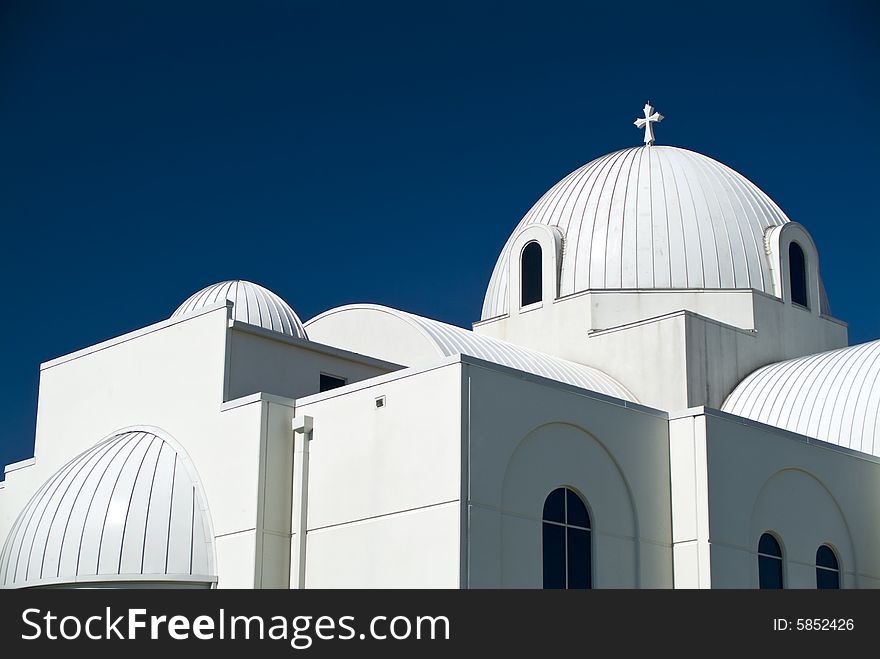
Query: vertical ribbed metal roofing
{"type": "Point", "coordinates": [128, 509]}
{"type": "Point", "coordinates": [252, 304]}
{"type": "Point", "coordinates": [833, 396]}
{"type": "Point", "coordinates": [448, 340]}
{"type": "Point", "coordinates": [652, 217]}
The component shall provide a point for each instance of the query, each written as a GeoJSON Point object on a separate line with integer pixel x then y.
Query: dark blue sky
{"type": "Point", "coordinates": [376, 152]}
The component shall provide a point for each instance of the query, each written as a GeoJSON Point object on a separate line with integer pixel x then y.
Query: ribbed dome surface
{"type": "Point", "coordinates": [128, 509]}
{"type": "Point", "coordinates": [252, 304]}
{"type": "Point", "coordinates": [652, 217]}
{"type": "Point", "coordinates": [447, 340]}
{"type": "Point", "coordinates": [833, 396]}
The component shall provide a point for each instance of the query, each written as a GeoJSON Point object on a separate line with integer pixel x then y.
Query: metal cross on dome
{"type": "Point", "coordinates": [647, 123]}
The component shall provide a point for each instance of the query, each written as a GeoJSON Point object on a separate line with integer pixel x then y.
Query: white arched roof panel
{"type": "Point", "coordinates": [128, 509]}
{"type": "Point", "coordinates": [832, 396]}
{"type": "Point", "coordinates": [411, 340]}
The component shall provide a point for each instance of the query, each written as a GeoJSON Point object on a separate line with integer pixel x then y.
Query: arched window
{"type": "Point", "coordinates": [827, 568]}
{"type": "Point", "coordinates": [797, 268]}
{"type": "Point", "coordinates": [531, 281]}
{"type": "Point", "coordinates": [769, 563]}
{"type": "Point", "coordinates": [567, 546]}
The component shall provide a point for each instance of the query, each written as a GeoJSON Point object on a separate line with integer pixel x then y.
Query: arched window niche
{"type": "Point", "coordinates": [567, 541]}
{"type": "Point", "coordinates": [533, 268]}
{"type": "Point", "coordinates": [770, 576]}
{"type": "Point", "coordinates": [797, 268]}
{"type": "Point", "coordinates": [827, 569]}
{"type": "Point", "coordinates": [794, 268]}
{"type": "Point", "coordinates": [531, 275]}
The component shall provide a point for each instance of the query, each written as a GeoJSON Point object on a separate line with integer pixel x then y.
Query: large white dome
{"type": "Point", "coordinates": [652, 217]}
{"type": "Point", "coordinates": [252, 304]}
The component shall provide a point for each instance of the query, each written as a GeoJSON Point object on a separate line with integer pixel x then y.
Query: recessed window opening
{"type": "Point", "coordinates": [531, 280]}
{"type": "Point", "coordinates": [827, 569]}
{"type": "Point", "coordinates": [567, 556]}
{"type": "Point", "coordinates": [769, 563]}
{"type": "Point", "coordinates": [329, 382]}
{"type": "Point", "coordinates": [797, 267]}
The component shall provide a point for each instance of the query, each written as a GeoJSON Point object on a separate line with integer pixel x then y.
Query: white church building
{"type": "Point", "coordinates": [656, 395]}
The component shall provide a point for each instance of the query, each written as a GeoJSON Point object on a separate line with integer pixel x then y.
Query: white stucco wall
{"type": "Point", "coordinates": [268, 362]}
{"type": "Point", "coordinates": [384, 483]}
{"type": "Point", "coordinates": [443, 486]}
{"type": "Point", "coordinates": [173, 376]}
{"type": "Point", "coordinates": [692, 566]}
{"type": "Point", "coordinates": [262, 553]}
{"type": "Point", "coordinates": [527, 436]}
{"type": "Point", "coordinates": [755, 479]}
{"type": "Point", "coordinates": [672, 349]}
{"type": "Point", "coordinates": [516, 437]}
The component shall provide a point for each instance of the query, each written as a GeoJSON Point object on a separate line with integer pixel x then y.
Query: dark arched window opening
{"type": "Point", "coordinates": [567, 544]}
{"type": "Point", "coordinates": [531, 281]}
{"type": "Point", "coordinates": [797, 268]}
{"type": "Point", "coordinates": [827, 568]}
{"type": "Point", "coordinates": [769, 563]}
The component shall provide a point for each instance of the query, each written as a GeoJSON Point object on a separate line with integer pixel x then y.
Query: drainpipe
{"type": "Point", "coordinates": [302, 435]}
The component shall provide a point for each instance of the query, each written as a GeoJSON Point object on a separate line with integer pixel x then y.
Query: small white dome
{"type": "Point", "coordinates": [833, 396]}
{"type": "Point", "coordinates": [252, 304]}
{"type": "Point", "coordinates": [652, 217]}
{"type": "Point", "coordinates": [128, 509]}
